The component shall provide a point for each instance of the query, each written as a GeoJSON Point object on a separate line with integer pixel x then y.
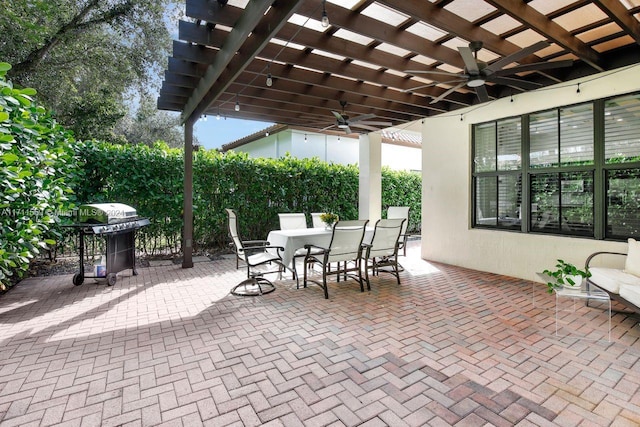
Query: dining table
{"type": "Point", "coordinates": [293, 239]}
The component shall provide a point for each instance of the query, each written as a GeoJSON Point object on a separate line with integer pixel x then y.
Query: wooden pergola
{"type": "Point", "coordinates": [275, 61]}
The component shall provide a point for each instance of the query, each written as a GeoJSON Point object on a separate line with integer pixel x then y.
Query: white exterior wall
{"type": "Point", "coordinates": [329, 149]}
{"type": "Point", "coordinates": [447, 235]}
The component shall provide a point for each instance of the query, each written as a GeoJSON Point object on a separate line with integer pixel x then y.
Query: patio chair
{"type": "Point", "coordinates": [394, 212]}
{"type": "Point", "coordinates": [344, 252]}
{"type": "Point", "coordinates": [290, 221]}
{"type": "Point", "coordinates": [382, 252]}
{"type": "Point", "coordinates": [315, 220]}
{"type": "Point", "coordinates": [254, 253]}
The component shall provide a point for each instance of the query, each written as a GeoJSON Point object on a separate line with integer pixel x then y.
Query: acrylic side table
{"type": "Point", "coordinates": [577, 299]}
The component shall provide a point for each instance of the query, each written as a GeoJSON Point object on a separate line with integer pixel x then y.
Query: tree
{"type": "Point", "coordinates": [87, 58]}
{"type": "Point", "coordinates": [149, 125]}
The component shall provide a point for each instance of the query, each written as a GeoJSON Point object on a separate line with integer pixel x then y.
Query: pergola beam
{"type": "Point", "coordinates": [539, 22]}
{"type": "Point", "coordinates": [249, 23]}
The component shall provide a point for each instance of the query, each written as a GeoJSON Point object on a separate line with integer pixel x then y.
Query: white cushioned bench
{"type": "Point", "coordinates": [622, 284]}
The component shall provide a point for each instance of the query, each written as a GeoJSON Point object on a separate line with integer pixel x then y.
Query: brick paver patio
{"type": "Point", "coordinates": [172, 347]}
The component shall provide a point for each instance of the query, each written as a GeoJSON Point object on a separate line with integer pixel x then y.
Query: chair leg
{"type": "Point", "coordinates": [324, 284]}
{"type": "Point", "coordinates": [366, 274]}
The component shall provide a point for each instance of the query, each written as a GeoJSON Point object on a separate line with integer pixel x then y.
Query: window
{"type": "Point", "coordinates": [562, 203]}
{"type": "Point", "coordinates": [622, 169]}
{"type": "Point", "coordinates": [563, 176]}
{"type": "Point", "coordinates": [562, 139]}
{"type": "Point", "coordinates": [497, 160]}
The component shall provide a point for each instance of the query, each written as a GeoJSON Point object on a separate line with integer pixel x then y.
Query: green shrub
{"type": "Point", "coordinates": [151, 180]}
{"type": "Point", "coordinates": [36, 166]}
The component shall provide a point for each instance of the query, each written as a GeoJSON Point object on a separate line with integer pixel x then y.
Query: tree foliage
{"type": "Point", "coordinates": [37, 168]}
{"type": "Point", "coordinates": [148, 125]}
{"type": "Point", "coordinates": [89, 59]}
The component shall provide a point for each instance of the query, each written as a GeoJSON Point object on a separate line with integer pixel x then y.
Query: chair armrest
{"type": "Point", "coordinates": [595, 254]}
{"type": "Point", "coordinates": [255, 242]}
{"type": "Point", "coordinates": [319, 250]}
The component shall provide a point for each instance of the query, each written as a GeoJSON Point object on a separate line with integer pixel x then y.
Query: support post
{"type": "Point", "coordinates": [370, 178]}
{"type": "Point", "coordinates": [187, 229]}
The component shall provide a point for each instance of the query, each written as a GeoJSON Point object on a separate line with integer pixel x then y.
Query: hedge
{"type": "Point", "coordinates": [150, 179]}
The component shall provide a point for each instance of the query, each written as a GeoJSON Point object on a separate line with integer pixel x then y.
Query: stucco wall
{"type": "Point", "coordinates": [446, 139]}
{"type": "Point", "coordinates": [329, 148]}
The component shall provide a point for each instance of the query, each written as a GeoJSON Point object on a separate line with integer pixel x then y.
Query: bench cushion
{"type": "Point", "coordinates": [632, 262]}
{"type": "Point", "coordinates": [631, 293]}
{"type": "Point", "coordinates": [611, 279]}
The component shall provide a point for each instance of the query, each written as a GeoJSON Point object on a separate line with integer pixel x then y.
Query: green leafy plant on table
{"type": "Point", "coordinates": [329, 218]}
{"type": "Point", "coordinates": [565, 274]}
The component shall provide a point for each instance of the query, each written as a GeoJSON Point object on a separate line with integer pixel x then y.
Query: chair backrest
{"type": "Point", "coordinates": [290, 221]}
{"type": "Point", "coordinates": [233, 229]}
{"type": "Point", "coordinates": [346, 240]}
{"type": "Point", "coordinates": [394, 212]}
{"type": "Point", "coordinates": [386, 236]}
{"type": "Point", "coordinates": [315, 219]}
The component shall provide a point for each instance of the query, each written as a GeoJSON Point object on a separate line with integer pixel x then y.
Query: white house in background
{"type": "Point", "coordinates": [401, 150]}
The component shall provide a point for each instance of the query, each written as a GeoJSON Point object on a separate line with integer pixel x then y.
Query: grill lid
{"type": "Point", "coordinates": [105, 213]}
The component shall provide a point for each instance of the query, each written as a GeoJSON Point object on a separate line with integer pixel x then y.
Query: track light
{"type": "Point", "coordinates": [325, 18]}
{"type": "Point", "coordinates": [237, 107]}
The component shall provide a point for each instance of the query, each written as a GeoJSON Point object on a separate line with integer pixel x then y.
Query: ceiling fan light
{"type": "Point", "coordinates": [475, 82]}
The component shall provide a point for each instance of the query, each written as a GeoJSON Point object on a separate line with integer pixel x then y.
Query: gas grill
{"type": "Point", "coordinates": [117, 224]}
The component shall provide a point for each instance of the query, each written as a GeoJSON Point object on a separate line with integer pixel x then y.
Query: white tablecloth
{"type": "Point", "coordinates": [292, 240]}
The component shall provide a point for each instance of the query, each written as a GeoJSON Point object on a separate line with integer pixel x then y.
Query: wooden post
{"type": "Point", "coordinates": [187, 229]}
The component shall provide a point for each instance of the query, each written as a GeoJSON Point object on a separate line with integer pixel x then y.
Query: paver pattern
{"type": "Point", "coordinates": [171, 346]}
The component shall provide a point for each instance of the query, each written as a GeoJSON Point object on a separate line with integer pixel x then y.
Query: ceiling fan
{"type": "Point", "coordinates": [363, 121]}
{"type": "Point", "coordinates": [476, 73]}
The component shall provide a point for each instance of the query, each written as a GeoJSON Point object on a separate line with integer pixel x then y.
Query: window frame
{"type": "Point", "coordinates": [598, 169]}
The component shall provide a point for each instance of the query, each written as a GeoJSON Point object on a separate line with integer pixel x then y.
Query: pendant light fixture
{"type": "Point", "coordinates": [237, 107]}
{"type": "Point", "coordinates": [325, 18]}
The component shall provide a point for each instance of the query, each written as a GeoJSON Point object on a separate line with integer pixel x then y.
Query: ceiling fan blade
{"type": "Point", "coordinates": [338, 116]}
{"type": "Point", "coordinates": [374, 123]}
{"type": "Point", "coordinates": [509, 81]}
{"type": "Point", "coordinates": [361, 117]}
{"type": "Point", "coordinates": [445, 94]}
{"type": "Point", "coordinates": [482, 93]}
{"type": "Point", "coordinates": [514, 57]}
{"type": "Point", "coordinates": [469, 60]}
{"type": "Point", "coordinates": [347, 129]}
{"type": "Point", "coordinates": [534, 67]}
{"type": "Point", "coordinates": [439, 73]}
{"type": "Point", "coordinates": [327, 128]}
{"type": "Point", "coordinates": [432, 84]}
{"type": "Point", "coordinates": [361, 126]}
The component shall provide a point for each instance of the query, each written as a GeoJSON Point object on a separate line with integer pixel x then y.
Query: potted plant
{"type": "Point", "coordinates": [565, 274]}
{"type": "Point", "coordinates": [329, 219]}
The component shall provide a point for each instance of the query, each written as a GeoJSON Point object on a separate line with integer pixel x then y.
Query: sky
{"type": "Point", "coordinates": [213, 133]}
